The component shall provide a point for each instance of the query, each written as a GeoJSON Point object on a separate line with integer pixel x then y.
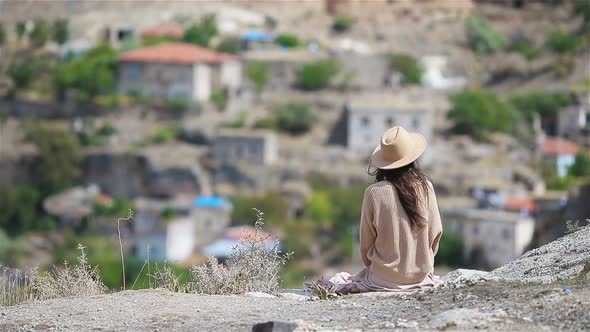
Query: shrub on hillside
{"type": "Point", "coordinates": [481, 37]}
{"type": "Point", "coordinates": [219, 99]}
{"type": "Point", "coordinates": [257, 72]}
{"type": "Point", "coordinates": [317, 75]}
{"type": "Point", "coordinates": [40, 33]}
{"type": "Point", "coordinates": [295, 118]}
{"type": "Point", "coordinates": [561, 41]}
{"type": "Point", "coordinates": [450, 251]}
{"type": "Point", "coordinates": [477, 113]}
{"type": "Point", "coordinates": [546, 104]}
{"type": "Point", "coordinates": [230, 45]}
{"type": "Point", "coordinates": [287, 40]}
{"type": "Point", "coordinates": [201, 33]}
{"type": "Point", "coordinates": [270, 122]}
{"type": "Point", "coordinates": [165, 135]}
{"type": "Point", "coordinates": [581, 166]}
{"type": "Point", "coordinates": [342, 23]}
{"type": "Point", "coordinates": [60, 31]}
{"type": "Point", "coordinates": [251, 267]}
{"type": "Point", "coordinates": [523, 45]}
{"type": "Point", "coordinates": [408, 66]}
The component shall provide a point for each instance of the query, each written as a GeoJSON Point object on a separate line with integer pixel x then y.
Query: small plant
{"type": "Point", "coordinates": [251, 267]}
{"type": "Point", "coordinates": [295, 118]}
{"type": "Point", "coordinates": [481, 36]}
{"type": "Point", "coordinates": [523, 45]}
{"type": "Point", "coordinates": [322, 291]}
{"type": "Point", "coordinates": [166, 278]}
{"type": "Point", "coordinates": [15, 286]}
{"type": "Point", "coordinates": [561, 41]}
{"type": "Point", "coordinates": [219, 98]}
{"type": "Point", "coordinates": [270, 122]}
{"type": "Point", "coordinates": [287, 40]}
{"type": "Point", "coordinates": [317, 75]}
{"type": "Point", "coordinates": [165, 135]}
{"type": "Point", "coordinates": [119, 220]}
{"type": "Point", "coordinates": [408, 66]}
{"type": "Point", "coordinates": [257, 72]}
{"type": "Point", "coordinates": [342, 23]}
{"type": "Point", "coordinates": [177, 105]}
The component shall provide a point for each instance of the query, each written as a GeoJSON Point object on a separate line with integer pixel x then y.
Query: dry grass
{"type": "Point", "coordinates": [251, 267]}
{"type": "Point", "coordinates": [166, 278]}
{"type": "Point", "coordinates": [322, 291]}
{"type": "Point", "coordinates": [79, 280]}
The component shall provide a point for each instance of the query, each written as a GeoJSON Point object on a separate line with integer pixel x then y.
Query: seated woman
{"type": "Point", "coordinates": [400, 225]}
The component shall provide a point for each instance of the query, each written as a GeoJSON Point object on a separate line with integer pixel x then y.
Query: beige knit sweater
{"type": "Point", "coordinates": [393, 252]}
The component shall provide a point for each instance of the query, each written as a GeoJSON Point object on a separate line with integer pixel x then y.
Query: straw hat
{"type": "Point", "coordinates": [398, 148]}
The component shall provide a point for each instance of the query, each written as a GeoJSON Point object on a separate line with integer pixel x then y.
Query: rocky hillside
{"type": "Point", "coordinates": [511, 298]}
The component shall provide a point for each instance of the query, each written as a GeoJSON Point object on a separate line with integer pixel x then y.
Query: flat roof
{"type": "Point", "coordinates": [404, 101]}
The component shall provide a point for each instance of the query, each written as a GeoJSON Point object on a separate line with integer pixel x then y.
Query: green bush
{"type": "Point", "coordinates": [270, 122]}
{"type": "Point", "coordinates": [582, 8]}
{"type": "Point", "coordinates": [120, 207]}
{"type": "Point", "coordinates": [521, 44]}
{"type": "Point", "coordinates": [342, 23]}
{"type": "Point", "coordinates": [546, 104]}
{"type": "Point", "coordinates": [481, 37]}
{"type": "Point", "coordinates": [477, 113]}
{"type": "Point", "coordinates": [107, 130]}
{"type": "Point", "coordinates": [201, 33]}
{"type": "Point", "coordinates": [561, 41]}
{"type": "Point", "coordinates": [317, 75]}
{"type": "Point", "coordinates": [295, 118]}
{"type": "Point", "coordinates": [22, 74]}
{"type": "Point", "coordinates": [450, 251]}
{"type": "Point", "coordinates": [320, 209]}
{"type": "Point", "coordinates": [177, 105]}
{"type": "Point", "coordinates": [169, 213]}
{"type": "Point", "coordinates": [581, 166]}
{"type": "Point", "coordinates": [60, 31]}
{"type": "Point", "coordinates": [239, 122]}
{"type": "Point", "coordinates": [287, 40]}
{"type": "Point", "coordinates": [40, 33]}
{"type": "Point", "coordinates": [408, 66]}
{"type": "Point", "coordinates": [219, 99]}
{"type": "Point", "coordinates": [2, 34]}
{"type": "Point", "coordinates": [165, 135]}
{"type": "Point", "coordinates": [21, 29]}
{"type": "Point", "coordinates": [257, 72]}
{"type": "Point", "coordinates": [230, 45]}
{"type": "Point", "coordinates": [273, 203]}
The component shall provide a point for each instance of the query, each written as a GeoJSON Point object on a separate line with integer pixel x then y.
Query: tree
{"type": "Point", "coordinates": [295, 118]}
{"type": "Point", "coordinates": [21, 29]}
{"type": "Point", "coordinates": [60, 31]}
{"type": "Point", "coordinates": [481, 36]}
{"type": "Point", "coordinates": [92, 74]}
{"type": "Point", "coordinates": [582, 8]}
{"type": "Point", "coordinates": [320, 209]}
{"type": "Point", "coordinates": [342, 23]}
{"type": "Point", "coordinates": [57, 165]}
{"type": "Point", "coordinates": [257, 72]}
{"type": "Point", "coordinates": [230, 45]}
{"type": "Point", "coordinates": [272, 204]}
{"type": "Point", "coordinates": [450, 251]}
{"type": "Point", "coordinates": [287, 40]}
{"type": "Point", "coordinates": [581, 166]}
{"type": "Point", "coordinates": [201, 33]}
{"type": "Point", "coordinates": [19, 208]}
{"type": "Point", "coordinates": [317, 75]}
{"type": "Point", "coordinates": [40, 33]}
{"type": "Point", "coordinates": [477, 113]}
{"type": "Point", "coordinates": [546, 104]}
{"type": "Point", "coordinates": [408, 66]}
{"type": "Point", "coordinates": [561, 41]}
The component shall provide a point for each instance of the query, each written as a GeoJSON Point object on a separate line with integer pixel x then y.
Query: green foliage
{"type": "Point", "coordinates": [230, 45]}
{"type": "Point", "coordinates": [155, 40]}
{"type": "Point", "coordinates": [561, 41]}
{"type": "Point", "coordinates": [257, 72]}
{"type": "Point", "coordinates": [450, 251]}
{"type": "Point", "coordinates": [21, 29]}
{"type": "Point", "coordinates": [477, 113]}
{"type": "Point", "coordinates": [269, 122]}
{"type": "Point", "coordinates": [581, 166]}
{"type": "Point", "coordinates": [273, 203]}
{"type": "Point", "coordinates": [58, 162]}
{"type": "Point", "coordinates": [107, 130]}
{"type": "Point", "coordinates": [201, 33]}
{"type": "Point", "coordinates": [21, 73]}
{"type": "Point", "coordinates": [523, 45]}
{"type": "Point", "coordinates": [239, 122]}
{"type": "Point", "coordinates": [481, 37]}
{"type": "Point", "coordinates": [320, 208]}
{"type": "Point", "coordinates": [219, 99]}
{"type": "Point", "coordinates": [408, 66]}
{"type": "Point", "coordinates": [2, 34]}
{"type": "Point", "coordinates": [342, 23]}
{"type": "Point", "coordinates": [295, 118]}
{"type": "Point", "coordinates": [317, 75]}
{"type": "Point", "coordinates": [177, 105]}
{"type": "Point", "coordinates": [165, 135]}
{"type": "Point", "coordinates": [60, 31]}
{"type": "Point", "coordinates": [287, 40]}
{"type": "Point", "coordinates": [582, 8]}
{"type": "Point", "coordinates": [92, 74]}
{"type": "Point", "coordinates": [168, 213]}
{"type": "Point", "coordinates": [120, 206]}
{"type": "Point", "coordinates": [19, 206]}
{"type": "Point", "coordinates": [546, 104]}
{"type": "Point", "coordinates": [40, 33]}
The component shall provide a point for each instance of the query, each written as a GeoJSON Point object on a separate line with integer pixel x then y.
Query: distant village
{"type": "Point", "coordinates": [193, 126]}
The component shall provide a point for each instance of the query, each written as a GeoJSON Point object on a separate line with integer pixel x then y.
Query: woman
{"type": "Point", "coordinates": [400, 226]}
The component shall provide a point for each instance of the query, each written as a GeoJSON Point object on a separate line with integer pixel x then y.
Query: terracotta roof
{"type": "Point", "coordinates": [164, 30]}
{"type": "Point", "coordinates": [175, 53]}
{"type": "Point", "coordinates": [556, 146]}
{"type": "Point", "coordinates": [519, 204]}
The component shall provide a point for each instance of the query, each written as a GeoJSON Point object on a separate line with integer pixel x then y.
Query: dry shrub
{"type": "Point", "coordinates": [80, 280]}
{"type": "Point", "coordinates": [251, 267]}
{"type": "Point", "coordinates": [15, 286]}
{"type": "Point", "coordinates": [166, 278]}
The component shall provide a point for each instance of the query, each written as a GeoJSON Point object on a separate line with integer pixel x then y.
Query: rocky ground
{"type": "Point", "coordinates": [498, 306]}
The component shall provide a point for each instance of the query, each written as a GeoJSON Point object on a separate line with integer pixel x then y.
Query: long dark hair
{"type": "Point", "coordinates": [411, 185]}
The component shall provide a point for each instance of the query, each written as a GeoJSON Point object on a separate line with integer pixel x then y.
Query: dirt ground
{"type": "Point", "coordinates": [491, 306]}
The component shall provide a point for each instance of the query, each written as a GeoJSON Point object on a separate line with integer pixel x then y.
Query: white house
{"type": "Point", "coordinates": [256, 147]}
{"type": "Point", "coordinates": [178, 70]}
{"type": "Point", "coordinates": [368, 116]}
{"type": "Point", "coordinates": [490, 238]}
{"type": "Point", "coordinates": [560, 152]}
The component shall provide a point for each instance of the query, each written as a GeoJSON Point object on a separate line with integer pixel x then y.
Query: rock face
{"type": "Point", "coordinates": [565, 258]}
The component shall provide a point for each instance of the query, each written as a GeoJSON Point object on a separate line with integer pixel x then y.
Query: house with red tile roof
{"type": "Point", "coordinates": [561, 152]}
{"type": "Point", "coordinates": [178, 71]}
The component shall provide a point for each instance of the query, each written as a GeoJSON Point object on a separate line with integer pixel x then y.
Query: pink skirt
{"type": "Point", "coordinates": [367, 281]}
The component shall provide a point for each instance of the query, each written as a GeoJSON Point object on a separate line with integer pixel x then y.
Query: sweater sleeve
{"type": "Point", "coordinates": [367, 228]}
{"type": "Point", "coordinates": [434, 222]}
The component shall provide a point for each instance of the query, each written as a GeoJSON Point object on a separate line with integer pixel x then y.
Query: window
{"type": "Point", "coordinates": [365, 122]}
{"type": "Point", "coordinates": [183, 76]}
{"type": "Point", "coordinates": [389, 122]}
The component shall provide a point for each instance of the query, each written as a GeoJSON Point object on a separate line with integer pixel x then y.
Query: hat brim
{"type": "Point", "coordinates": [418, 149]}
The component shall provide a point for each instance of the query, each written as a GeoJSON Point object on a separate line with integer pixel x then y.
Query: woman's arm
{"type": "Point", "coordinates": [367, 228]}
{"type": "Point", "coordinates": [434, 222]}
